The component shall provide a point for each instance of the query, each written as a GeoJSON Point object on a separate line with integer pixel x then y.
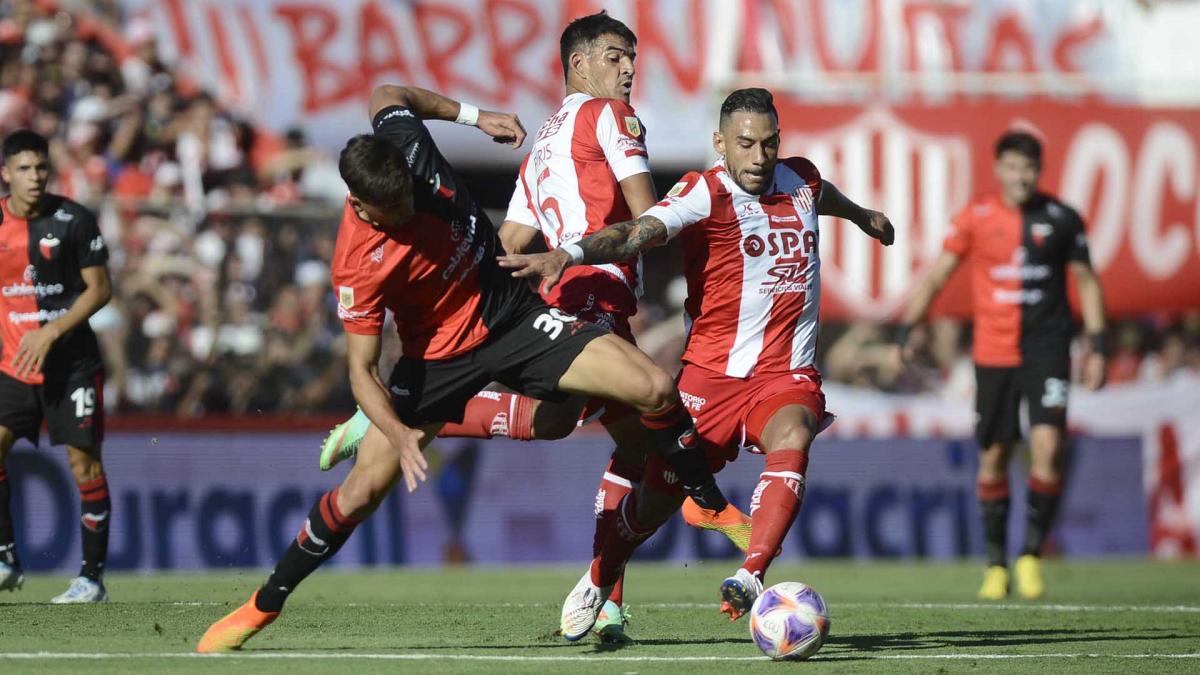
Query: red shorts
{"type": "Point", "coordinates": [597, 297]}
{"type": "Point", "coordinates": [730, 413]}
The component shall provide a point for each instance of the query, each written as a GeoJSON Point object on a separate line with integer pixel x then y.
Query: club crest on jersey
{"type": "Point", "coordinates": [634, 126]}
{"type": "Point", "coordinates": [48, 245]}
{"type": "Point", "coordinates": [1039, 232]}
{"type": "Point", "coordinates": [803, 197]}
{"type": "Point", "coordinates": [346, 296]}
{"type": "Point", "coordinates": [677, 189]}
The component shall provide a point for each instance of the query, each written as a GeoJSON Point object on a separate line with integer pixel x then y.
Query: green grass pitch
{"type": "Point", "coordinates": [910, 617]}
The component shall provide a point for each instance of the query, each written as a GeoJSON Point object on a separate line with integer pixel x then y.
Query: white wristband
{"type": "Point", "coordinates": [467, 114]}
{"type": "Point", "coordinates": [575, 251]}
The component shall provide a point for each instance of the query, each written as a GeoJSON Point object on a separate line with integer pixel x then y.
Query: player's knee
{"type": "Point", "coordinates": [658, 391]}
{"type": "Point", "coordinates": [85, 468]}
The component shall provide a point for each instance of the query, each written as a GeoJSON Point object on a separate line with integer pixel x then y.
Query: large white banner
{"type": "Point", "coordinates": [312, 64]}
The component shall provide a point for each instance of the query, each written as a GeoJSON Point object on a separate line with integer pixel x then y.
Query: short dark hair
{"type": "Point", "coordinates": [753, 99]}
{"type": "Point", "coordinates": [23, 140]}
{"type": "Point", "coordinates": [1020, 142]}
{"type": "Point", "coordinates": [374, 170]}
{"type": "Point", "coordinates": [584, 30]}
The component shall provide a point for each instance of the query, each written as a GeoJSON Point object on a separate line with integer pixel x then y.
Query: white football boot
{"type": "Point", "coordinates": [82, 590]}
{"type": "Point", "coordinates": [11, 578]}
{"type": "Point", "coordinates": [582, 606]}
{"type": "Point", "coordinates": [738, 593]}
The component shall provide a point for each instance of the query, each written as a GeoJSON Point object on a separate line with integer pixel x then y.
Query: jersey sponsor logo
{"type": "Point", "coordinates": [38, 316]}
{"type": "Point", "coordinates": [48, 245]}
{"type": "Point", "coordinates": [634, 126]}
{"type": "Point", "coordinates": [345, 297]}
{"type": "Point", "coordinates": [787, 277]}
{"type": "Point", "coordinates": [377, 255]}
{"type": "Point", "coordinates": [1039, 232]}
{"type": "Point", "coordinates": [1017, 270]}
{"type": "Point", "coordinates": [38, 290]}
{"type": "Point", "coordinates": [96, 244]}
{"type": "Point", "coordinates": [553, 124]}
{"type": "Point", "coordinates": [62, 216]}
{"type": "Point", "coordinates": [780, 243]}
{"type": "Point", "coordinates": [1018, 296]}
{"type": "Point", "coordinates": [460, 251]}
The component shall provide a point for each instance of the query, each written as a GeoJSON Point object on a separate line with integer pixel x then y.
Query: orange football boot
{"type": "Point", "coordinates": [730, 522]}
{"type": "Point", "coordinates": [235, 628]}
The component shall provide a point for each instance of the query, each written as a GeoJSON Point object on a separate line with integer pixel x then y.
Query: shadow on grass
{"type": "Point", "coordinates": [957, 639]}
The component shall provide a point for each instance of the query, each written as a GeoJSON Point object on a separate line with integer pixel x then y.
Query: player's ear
{"type": "Point", "coordinates": [577, 62]}
{"type": "Point", "coordinates": [719, 143]}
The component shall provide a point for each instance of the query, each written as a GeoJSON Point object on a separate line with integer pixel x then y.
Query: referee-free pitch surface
{"type": "Point", "coordinates": [908, 616]}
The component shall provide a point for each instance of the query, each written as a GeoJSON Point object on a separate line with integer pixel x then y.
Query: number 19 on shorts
{"type": "Point", "coordinates": [85, 401]}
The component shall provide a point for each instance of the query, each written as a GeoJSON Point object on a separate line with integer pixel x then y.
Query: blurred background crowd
{"type": "Point", "coordinates": [221, 235]}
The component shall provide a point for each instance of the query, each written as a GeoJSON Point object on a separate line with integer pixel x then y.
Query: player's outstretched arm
{"type": "Point", "coordinates": [922, 297]}
{"type": "Point", "coordinates": [614, 243]}
{"type": "Point", "coordinates": [371, 394]}
{"type": "Point", "coordinates": [874, 223]}
{"type": "Point", "coordinates": [502, 127]}
{"type": "Point", "coordinates": [34, 345]}
{"type": "Point", "coordinates": [1091, 304]}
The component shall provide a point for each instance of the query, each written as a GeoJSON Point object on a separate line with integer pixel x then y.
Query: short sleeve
{"type": "Point", "coordinates": [687, 203]}
{"type": "Point", "coordinates": [1077, 246]}
{"type": "Point", "coordinates": [90, 250]}
{"type": "Point", "coordinates": [622, 138]}
{"type": "Point", "coordinates": [958, 240]}
{"type": "Point", "coordinates": [520, 209]}
{"type": "Point", "coordinates": [807, 172]}
{"type": "Point", "coordinates": [360, 302]}
{"type": "Point", "coordinates": [405, 130]}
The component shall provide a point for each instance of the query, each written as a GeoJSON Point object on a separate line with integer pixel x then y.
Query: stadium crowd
{"type": "Point", "coordinates": [221, 236]}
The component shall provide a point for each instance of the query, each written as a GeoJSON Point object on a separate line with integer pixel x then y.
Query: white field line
{"type": "Point", "coordinates": [34, 656]}
{"type": "Point", "coordinates": [1003, 607]}
{"type": "Point", "coordinates": [1161, 609]}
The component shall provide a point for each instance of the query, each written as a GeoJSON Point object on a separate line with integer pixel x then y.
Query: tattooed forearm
{"type": "Point", "coordinates": [621, 241]}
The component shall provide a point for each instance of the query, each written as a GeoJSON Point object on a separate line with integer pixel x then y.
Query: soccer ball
{"type": "Point", "coordinates": [789, 621]}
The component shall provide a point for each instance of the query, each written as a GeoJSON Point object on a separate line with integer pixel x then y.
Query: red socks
{"type": "Point", "coordinates": [495, 413]}
{"type": "Point", "coordinates": [619, 480]}
{"type": "Point", "coordinates": [774, 506]}
{"type": "Point", "coordinates": [624, 537]}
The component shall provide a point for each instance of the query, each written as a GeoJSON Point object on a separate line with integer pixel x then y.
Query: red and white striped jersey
{"type": "Point", "coordinates": [569, 187]}
{"type": "Point", "coordinates": [752, 266]}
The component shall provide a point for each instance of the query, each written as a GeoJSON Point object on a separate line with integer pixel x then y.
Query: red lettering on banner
{"type": "Point", "coordinates": [869, 59]}
{"type": "Point", "coordinates": [256, 43]}
{"type": "Point", "coordinates": [505, 53]}
{"type": "Point", "coordinates": [379, 48]}
{"type": "Point", "coordinates": [948, 15]}
{"type": "Point", "coordinates": [653, 40]}
{"type": "Point", "coordinates": [1009, 36]}
{"type": "Point", "coordinates": [325, 83]}
{"type": "Point", "coordinates": [1072, 39]}
{"type": "Point", "coordinates": [439, 58]}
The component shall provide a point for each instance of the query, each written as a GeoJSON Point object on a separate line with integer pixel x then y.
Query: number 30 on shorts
{"type": "Point", "coordinates": [85, 401]}
{"type": "Point", "coordinates": [551, 323]}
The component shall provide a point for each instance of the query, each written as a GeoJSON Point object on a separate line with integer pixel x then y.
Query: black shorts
{"type": "Point", "coordinates": [528, 353]}
{"type": "Point", "coordinates": [72, 407]}
{"type": "Point", "coordinates": [1044, 384]}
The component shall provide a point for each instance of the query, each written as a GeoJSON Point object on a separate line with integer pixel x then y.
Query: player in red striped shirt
{"type": "Point", "coordinates": [749, 233]}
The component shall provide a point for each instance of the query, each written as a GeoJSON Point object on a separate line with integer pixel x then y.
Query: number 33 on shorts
{"type": "Point", "coordinates": [552, 322]}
